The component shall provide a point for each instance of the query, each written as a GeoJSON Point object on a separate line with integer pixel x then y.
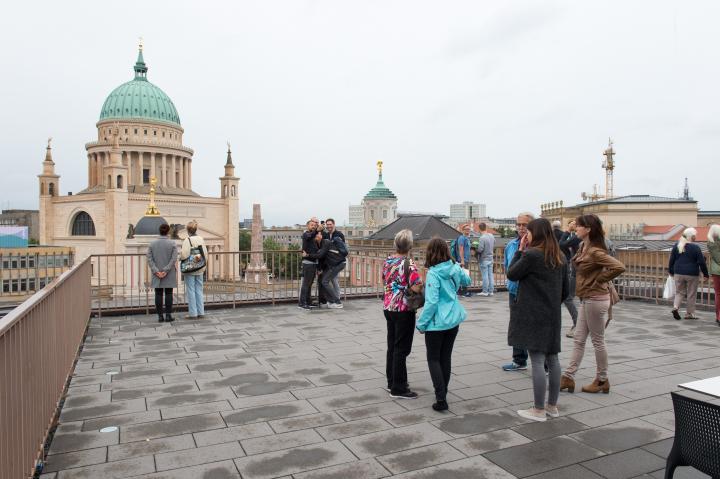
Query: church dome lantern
{"type": "Point", "coordinates": [139, 99]}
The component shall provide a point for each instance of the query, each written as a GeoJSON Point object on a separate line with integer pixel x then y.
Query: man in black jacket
{"type": "Point", "coordinates": [309, 266]}
{"type": "Point", "coordinates": [329, 259]}
{"type": "Point", "coordinates": [335, 236]}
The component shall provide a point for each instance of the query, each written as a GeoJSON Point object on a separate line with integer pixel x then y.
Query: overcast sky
{"type": "Point", "coordinates": [508, 103]}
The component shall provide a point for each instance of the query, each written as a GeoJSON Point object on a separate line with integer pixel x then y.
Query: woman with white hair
{"type": "Point", "coordinates": [686, 263]}
{"type": "Point", "coordinates": [399, 275]}
{"type": "Point", "coordinates": [713, 244]}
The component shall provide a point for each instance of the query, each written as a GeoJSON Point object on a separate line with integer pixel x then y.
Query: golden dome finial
{"type": "Point", "coordinates": [140, 43]}
{"type": "Point", "coordinates": [380, 166]}
{"type": "Point", "coordinates": [152, 210]}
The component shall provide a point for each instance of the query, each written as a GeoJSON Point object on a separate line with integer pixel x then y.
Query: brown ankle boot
{"type": "Point", "coordinates": [597, 386]}
{"type": "Point", "coordinates": [567, 383]}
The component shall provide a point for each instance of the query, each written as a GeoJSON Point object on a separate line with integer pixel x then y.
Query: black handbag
{"type": "Point", "coordinates": [414, 300]}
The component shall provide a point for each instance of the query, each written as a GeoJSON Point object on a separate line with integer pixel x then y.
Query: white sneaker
{"type": "Point", "coordinates": [484, 294]}
{"type": "Point", "coordinates": [552, 412]}
{"type": "Point", "coordinates": [532, 415]}
{"type": "Point", "coordinates": [335, 306]}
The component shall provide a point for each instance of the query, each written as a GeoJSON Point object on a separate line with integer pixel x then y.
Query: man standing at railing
{"type": "Point", "coordinates": [520, 355]}
{"type": "Point", "coordinates": [485, 249]}
{"type": "Point", "coordinates": [162, 260]}
{"type": "Point", "coordinates": [338, 240]}
{"type": "Point", "coordinates": [309, 266]}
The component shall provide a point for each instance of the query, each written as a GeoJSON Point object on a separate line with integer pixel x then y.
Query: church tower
{"type": "Point", "coordinates": [116, 197]}
{"type": "Point", "coordinates": [49, 184]}
{"type": "Point", "coordinates": [229, 193]}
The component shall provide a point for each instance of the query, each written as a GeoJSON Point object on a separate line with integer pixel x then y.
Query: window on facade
{"type": "Point", "coordinates": [51, 189]}
{"type": "Point", "coordinates": [31, 284]}
{"type": "Point", "coordinates": [154, 132]}
{"type": "Point", "coordinates": [23, 262]}
{"type": "Point", "coordinates": [146, 176]}
{"type": "Point", "coordinates": [31, 261]}
{"type": "Point", "coordinates": [358, 271]}
{"type": "Point", "coordinates": [6, 264]}
{"type": "Point", "coordinates": [119, 182]}
{"type": "Point", "coordinates": [163, 134]}
{"type": "Point", "coordinates": [83, 225]}
{"type": "Point", "coordinates": [14, 263]}
{"type": "Point", "coordinates": [145, 132]}
{"type": "Point", "coordinates": [136, 131]}
{"type": "Point", "coordinates": [232, 190]}
{"type": "Point", "coordinates": [6, 286]}
{"type": "Point", "coordinates": [367, 273]}
{"type": "Point", "coordinates": [14, 285]}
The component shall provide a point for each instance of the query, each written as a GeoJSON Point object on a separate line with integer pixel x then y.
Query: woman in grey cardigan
{"type": "Point", "coordinates": [535, 320]}
{"type": "Point", "coordinates": [162, 260]}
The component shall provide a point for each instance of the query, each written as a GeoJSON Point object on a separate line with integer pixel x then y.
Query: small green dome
{"type": "Point", "coordinates": [380, 191]}
{"type": "Point", "coordinates": [139, 99]}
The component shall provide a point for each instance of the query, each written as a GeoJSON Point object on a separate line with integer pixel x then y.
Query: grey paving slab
{"type": "Point", "coordinates": [172, 427]}
{"type": "Point", "coordinates": [200, 455]}
{"type": "Point", "coordinates": [367, 469]}
{"type": "Point", "coordinates": [398, 439]}
{"type": "Point", "coordinates": [117, 469]}
{"type": "Point", "coordinates": [471, 468]}
{"type": "Point", "coordinates": [420, 458]}
{"type": "Point", "coordinates": [300, 392]}
{"type": "Point", "coordinates": [626, 464]}
{"type": "Point", "coordinates": [69, 460]}
{"type": "Point", "coordinates": [149, 447]}
{"type": "Point", "coordinates": [293, 461]}
{"type": "Point", "coordinates": [542, 456]}
{"type": "Point", "coordinates": [490, 441]}
{"type": "Point", "coordinates": [575, 471]}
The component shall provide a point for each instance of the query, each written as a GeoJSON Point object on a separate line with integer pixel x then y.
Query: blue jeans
{"type": "Point", "coordinates": [486, 269]}
{"type": "Point", "coordinates": [194, 294]}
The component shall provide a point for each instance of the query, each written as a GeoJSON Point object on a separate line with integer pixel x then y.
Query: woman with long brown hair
{"type": "Point", "coordinates": [594, 270]}
{"type": "Point", "coordinates": [442, 315]}
{"type": "Point", "coordinates": [540, 268]}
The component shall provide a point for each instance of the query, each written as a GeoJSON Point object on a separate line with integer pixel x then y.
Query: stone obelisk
{"type": "Point", "coordinates": [257, 271]}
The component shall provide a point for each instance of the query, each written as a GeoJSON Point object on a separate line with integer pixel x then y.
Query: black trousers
{"type": "Point", "coordinates": [309, 270]}
{"type": "Point", "coordinates": [159, 300]}
{"type": "Point", "coordinates": [439, 345]}
{"type": "Point", "coordinates": [400, 332]}
{"type": "Point", "coordinates": [520, 355]}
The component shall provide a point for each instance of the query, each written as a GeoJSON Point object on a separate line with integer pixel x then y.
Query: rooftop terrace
{"type": "Point", "coordinates": [273, 391]}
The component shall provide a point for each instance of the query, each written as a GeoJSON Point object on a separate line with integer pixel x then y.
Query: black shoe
{"type": "Point", "coordinates": [160, 319]}
{"type": "Point", "coordinates": [676, 314]}
{"type": "Point", "coordinates": [440, 406]}
{"type": "Point", "coordinates": [304, 306]}
{"type": "Point", "coordinates": [169, 318]}
{"type": "Point", "coordinates": [404, 395]}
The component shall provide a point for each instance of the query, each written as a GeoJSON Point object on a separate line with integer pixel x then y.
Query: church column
{"type": "Point", "coordinates": [99, 168]}
{"type": "Point", "coordinates": [89, 157]}
{"type": "Point", "coordinates": [128, 158]}
{"type": "Point", "coordinates": [172, 170]}
{"type": "Point", "coordinates": [189, 174]}
{"type": "Point", "coordinates": [163, 174]}
{"type": "Point", "coordinates": [153, 171]}
{"type": "Point", "coordinates": [180, 169]}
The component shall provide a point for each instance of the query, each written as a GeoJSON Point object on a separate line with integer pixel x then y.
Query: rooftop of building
{"type": "Point", "coordinates": [637, 199]}
{"type": "Point", "coordinates": [424, 227]}
{"type": "Point", "coordinates": [271, 391]}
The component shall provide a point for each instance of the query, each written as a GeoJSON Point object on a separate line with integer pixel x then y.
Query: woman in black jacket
{"type": "Point", "coordinates": [535, 320]}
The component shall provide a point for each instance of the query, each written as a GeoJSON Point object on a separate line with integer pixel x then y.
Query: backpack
{"type": "Point", "coordinates": [341, 246]}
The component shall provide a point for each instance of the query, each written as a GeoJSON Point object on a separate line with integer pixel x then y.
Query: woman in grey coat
{"type": "Point", "coordinates": [535, 319]}
{"type": "Point", "coordinates": [162, 260]}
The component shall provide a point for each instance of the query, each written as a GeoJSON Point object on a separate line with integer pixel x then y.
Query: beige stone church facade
{"type": "Point", "coordinates": [139, 137]}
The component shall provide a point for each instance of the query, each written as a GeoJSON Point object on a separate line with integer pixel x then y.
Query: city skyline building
{"type": "Point", "coordinates": [466, 211]}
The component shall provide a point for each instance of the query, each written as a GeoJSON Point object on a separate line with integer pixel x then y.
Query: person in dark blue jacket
{"type": "Point", "coordinates": [686, 263]}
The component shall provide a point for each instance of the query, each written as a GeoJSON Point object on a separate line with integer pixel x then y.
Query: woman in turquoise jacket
{"type": "Point", "coordinates": [441, 315]}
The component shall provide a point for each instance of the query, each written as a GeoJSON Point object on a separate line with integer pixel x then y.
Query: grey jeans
{"type": "Point", "coordinates": [686, 288]}
{"type": "Point", "coordinates": [328, 282]}
{"type": "Point", "coordinates": [539, 359]}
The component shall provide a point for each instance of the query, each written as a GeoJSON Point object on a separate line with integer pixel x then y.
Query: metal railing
{"type": "Point", "coordinates": [39, 342]}
{"type": "Point", "coordinates": [122, 283]}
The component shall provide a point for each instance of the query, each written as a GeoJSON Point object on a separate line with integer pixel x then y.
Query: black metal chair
{"type": "Point", "coordinates": [697, 437]}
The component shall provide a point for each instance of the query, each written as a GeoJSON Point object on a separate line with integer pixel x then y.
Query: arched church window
{"type": "Point", "coordinates": [83, 225]}
{"type": "Point", "coordinates": [51, 189]}
{"type": "Point", "coordinates": [119, 181]}
{"type": "Point", "coordinates": [232, 190]}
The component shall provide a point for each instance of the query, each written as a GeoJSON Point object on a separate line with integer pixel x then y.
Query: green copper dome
{"type": "Point", "coordinates": [380, 190]}
{"type": "Point", "coordinates": [139, 99]}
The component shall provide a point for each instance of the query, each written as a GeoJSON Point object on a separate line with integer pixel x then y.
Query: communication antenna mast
{"type": "Point", "coordinates": [609, 166]}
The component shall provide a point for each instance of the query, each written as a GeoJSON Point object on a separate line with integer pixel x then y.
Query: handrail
{"type": "Point", "coordinates": [39, 342]}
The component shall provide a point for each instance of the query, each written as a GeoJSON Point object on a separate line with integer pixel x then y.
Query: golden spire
{"type": "Point", "coordinates": [379, 166]}
{"type": "Point", "coordinates": [140, 43]}
{"type": "Point", "coordinates": [152, 210]}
